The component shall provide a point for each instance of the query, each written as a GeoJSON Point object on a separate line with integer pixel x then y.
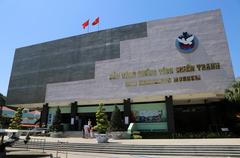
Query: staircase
{"type": "Point", "coordinates": [161, 150]}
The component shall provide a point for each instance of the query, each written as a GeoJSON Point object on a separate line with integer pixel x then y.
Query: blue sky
{"type": "Point", "coordinates": [27, 22]}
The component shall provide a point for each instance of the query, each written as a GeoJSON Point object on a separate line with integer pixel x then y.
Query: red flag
{"type": "Point", "coordinates": [85, 24]}
{"type": "Point", "coordinates": [96, 21]}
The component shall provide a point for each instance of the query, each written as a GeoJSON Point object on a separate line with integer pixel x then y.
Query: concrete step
{"type": "Point", "coordinates": [112, 145]}
{"type": "Point", "coordinates": [129, 147]}
{"type": "Point", "coordinates": [111, 148]}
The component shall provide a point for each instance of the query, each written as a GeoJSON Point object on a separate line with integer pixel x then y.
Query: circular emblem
{"type": "Point", "coordinates": [186, 43]}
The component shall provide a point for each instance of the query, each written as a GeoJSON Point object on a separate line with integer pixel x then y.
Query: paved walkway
{"type": "Point", "coordinates": [16, 152]}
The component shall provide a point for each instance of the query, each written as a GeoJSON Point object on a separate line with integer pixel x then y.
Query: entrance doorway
{"type": "Point", "coordinates": [191, 118]}
{"type": "Point", "coordinates": [84, 117]}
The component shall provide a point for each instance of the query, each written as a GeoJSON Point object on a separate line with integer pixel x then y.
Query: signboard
{"type": "Point", "coordinates": [152, 115]}
{"type": "Point", "coordinates": [164, 71]}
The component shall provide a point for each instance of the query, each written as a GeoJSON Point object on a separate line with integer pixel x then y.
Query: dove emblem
{"type": "Point", "coordinates": [186, 43]}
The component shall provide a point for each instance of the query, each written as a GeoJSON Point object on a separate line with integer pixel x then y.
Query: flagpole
{"type": "Point", "coordinates": [98, 23]}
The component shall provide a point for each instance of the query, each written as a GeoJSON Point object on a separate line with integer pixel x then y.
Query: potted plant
{"type": "Point", "coordinates": [56, 128]}
{"type": "Point", "coordinates": [102, 125]}
{"type": "Point", "coordinates": [116, 124]}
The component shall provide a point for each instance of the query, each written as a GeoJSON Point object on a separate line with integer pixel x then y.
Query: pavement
{"type": "Point", "coordinates": [24, 153]}
{"type": "Point", "coordinates": [226, 141]}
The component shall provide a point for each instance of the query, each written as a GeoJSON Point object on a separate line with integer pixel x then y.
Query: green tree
{"type": "Point", "coordinates": [5, 121]}
{"type": "Point", "coordinates": [116, 123]}
{"type": "Point", "coordinates": [2, 103]}
{"type": "Point", "coordinates": [102, 121]}
{"type": "Point", "coordinates": [57, 120]}
{"type": "Point", "coordinates": [233, 93]}
{"type": "Point", "coordinates": [16, 120]}
{"type": "Point", "coordinates": [2, 99]}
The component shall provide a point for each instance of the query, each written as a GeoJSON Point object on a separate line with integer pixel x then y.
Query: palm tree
{"type": "Point", "coordinates": [233, 93]}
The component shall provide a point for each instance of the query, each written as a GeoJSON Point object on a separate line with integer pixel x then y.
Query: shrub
{"type": "Point", "coordinates": [137, 137]}
{"type": "Point", "coordinates": [116, 123]}
{"type": "Point", "coordinates": [16, 120]}
{"type": "Point", "coordinates": [101, 119]}
{"type": "Point", "coordinates": [56, 126]}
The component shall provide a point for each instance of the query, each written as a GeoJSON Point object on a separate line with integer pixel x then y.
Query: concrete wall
{"type": "Point", "coordinates": [155, 51]}
{"type": "Point", "coordinates": [63, 60]}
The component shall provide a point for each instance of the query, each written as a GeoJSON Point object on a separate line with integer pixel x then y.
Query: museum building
{"type": "Point", "coordinates": [165, 75]}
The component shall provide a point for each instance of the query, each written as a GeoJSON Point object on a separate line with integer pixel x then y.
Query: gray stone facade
{"type": "Point", "coordinates": [79, 68]}
{"type": "Point", "coordinates": [63, 60]}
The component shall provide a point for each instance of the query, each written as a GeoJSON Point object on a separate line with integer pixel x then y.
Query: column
{"type": "Point", "coordinates": [73, 115]}
{"type": "Point", "coordinates": [127, 111]}
{"type": "Point", "coordinates": [44, 116]}
{"type": "Point", "coordinates": [170, 113]}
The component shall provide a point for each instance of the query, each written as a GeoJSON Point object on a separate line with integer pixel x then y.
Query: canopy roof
{"type": "Point", "coordinates": [4, 108]}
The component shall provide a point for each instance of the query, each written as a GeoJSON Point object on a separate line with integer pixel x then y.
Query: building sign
{"type": "Point", "coordinates": [186, 43]}
{"type": "Point", "coordinates": [133, 78]}
{"type": "Point", "coordinates": [149, 116]}
{"type": "Point", "coordinates": [149, 113]}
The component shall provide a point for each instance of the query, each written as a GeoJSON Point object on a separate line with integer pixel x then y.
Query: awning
{"type": "Point", "coordinates": [7, 112]}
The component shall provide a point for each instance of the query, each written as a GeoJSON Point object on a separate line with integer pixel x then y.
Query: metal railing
{"type": "Point", "coordinates": [62, 148]}
{"type": "Point", "coordinates": [36, 143]}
